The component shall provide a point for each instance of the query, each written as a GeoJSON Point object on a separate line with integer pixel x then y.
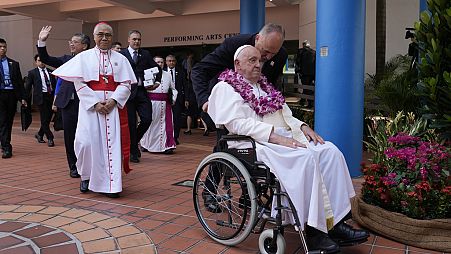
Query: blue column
{"type": "Point", "coordinates": [340, 71]}
{"type": "Point", "coordinates": [423, 5]}
{"type": "Point", "coordinates": [252, 16]}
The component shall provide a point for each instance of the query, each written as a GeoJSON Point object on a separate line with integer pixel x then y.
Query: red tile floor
{"type": "Point", "coordinates": [37, 176]}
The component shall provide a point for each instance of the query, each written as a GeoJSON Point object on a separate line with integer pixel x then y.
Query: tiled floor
{"type": "Point", "coordinates": [36, 190]}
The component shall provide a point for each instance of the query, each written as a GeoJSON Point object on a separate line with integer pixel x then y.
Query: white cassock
{"type": "Point", "coordinates": [160, 135]}
{"type": "Point", "coordinates": [316, 178]}
{"type": "Point", "coordinates": [98, 136]}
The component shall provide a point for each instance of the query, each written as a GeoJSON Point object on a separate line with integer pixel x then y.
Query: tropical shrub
{"type": "Point", "coordinates": [433, 33]}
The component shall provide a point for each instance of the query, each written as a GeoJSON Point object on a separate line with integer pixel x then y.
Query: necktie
{"type": "Point", "coordinates": [47, 81]}
{"type": "Point", "coordinates": [172, 75]}
{"type": "Point", "coordinates": [135, 56]}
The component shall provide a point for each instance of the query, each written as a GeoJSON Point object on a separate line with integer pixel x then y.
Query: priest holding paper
{"type": "Point", "coordinates": [102, 79]}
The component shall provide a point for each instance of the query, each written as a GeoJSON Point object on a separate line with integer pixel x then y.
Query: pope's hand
{"type": "Point", "coordinates": [284, 141]}
{"type": "Point", "coordinates": [44, 34]}
{"type": "Point", "coordinates": [311, 135]}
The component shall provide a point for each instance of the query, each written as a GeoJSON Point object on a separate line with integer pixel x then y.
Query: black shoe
{"type": "Point", "coordinates": [206, 133]}
{"type": "Point", "coordinates": [177, 141]}
{"type": "Point", "coordinates": [112, 195]}
{"type": "Point", "coordinates": [84, 186]}
{"type": "Point", "coordinates": [320, 241]}
{"type": "Point", "coordinates": [7, 154]}
{"type": "Point", "coordinates": [187, 132]}
{"type": "Point", "coordinates": [40, 139]}
{"type": "Point", "coordinates": [169, 151]}
{"type": "Point", "coordinates": [51, 143]}
{"type": "Point", "coordinates": [73, 172]}
{"type": "Point", "coordinates": [134, 158]}
{"type": "Point", "coordinates": [345, 235]}
{"type": "Point", "coordinates": [144, 149]}
{"type": "Point", "coordinates": [210, 203]}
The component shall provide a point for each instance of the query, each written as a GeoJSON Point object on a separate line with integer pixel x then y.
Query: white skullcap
{"type": "Point", "coordinates": [238, 51]}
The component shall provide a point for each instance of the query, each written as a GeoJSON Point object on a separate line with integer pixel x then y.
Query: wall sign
{"type": "Point", "coordinates": [198, 37]}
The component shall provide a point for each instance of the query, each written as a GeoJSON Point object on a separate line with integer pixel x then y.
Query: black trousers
{"type": "Point", "coordinates": [214, 173]}
{"type": "Point", "coordinates": [177, 110]}
{"type": "Point", "coordinates": [45, 111]}
{"type": "Point", "coordinates": [142, 105]}
{"type": "Point", "coordinates": [70, 119]}
{"type": "Point", "coordinates": [8, 104]}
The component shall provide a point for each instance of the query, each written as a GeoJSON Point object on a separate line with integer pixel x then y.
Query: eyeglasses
{"type": "Point", "coordinates": [101, 35]}
{"type": "Point", "coordinates": [74, 42]}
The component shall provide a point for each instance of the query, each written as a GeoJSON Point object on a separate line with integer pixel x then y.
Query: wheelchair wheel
{"type": "Point", "coordinates": [265, 243]}
{"type": "Point", "coordinates": [223, 177]}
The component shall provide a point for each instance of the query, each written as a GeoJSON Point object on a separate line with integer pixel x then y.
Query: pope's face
{"type": "Point", "coordinates": [103, 36]}
{"type": "Point", "coordinates": [249, 64]}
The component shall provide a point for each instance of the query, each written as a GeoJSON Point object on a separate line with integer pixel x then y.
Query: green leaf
{"type": "Point", "coordinates": [424, 17]}
{"type": "Point", "coordinates": [434, 44]}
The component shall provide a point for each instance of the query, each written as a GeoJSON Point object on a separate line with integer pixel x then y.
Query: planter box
{"type": "Point", "coordinates": [426, 234]}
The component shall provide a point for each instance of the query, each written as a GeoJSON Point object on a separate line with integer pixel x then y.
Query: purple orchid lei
{"type": "Point", "coordinates": [262, 105]}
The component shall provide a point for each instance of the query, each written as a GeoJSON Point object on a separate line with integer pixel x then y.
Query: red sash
{"type": "Point", "coordinates": [106, 83]}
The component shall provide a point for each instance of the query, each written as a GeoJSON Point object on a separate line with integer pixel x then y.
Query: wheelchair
{"type": "Point", "coordinates": [243, 189]}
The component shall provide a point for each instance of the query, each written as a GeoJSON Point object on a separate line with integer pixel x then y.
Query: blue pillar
{"type": "Point", "coordinates": [340, 71]}
{"type": "Point", "coordinates": [252, 16]}
{"type": "Point", "coordinates": [423, 5]}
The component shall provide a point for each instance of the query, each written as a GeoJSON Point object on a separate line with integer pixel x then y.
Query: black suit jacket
{"type": "Point", "coordinates": [221, 58]}
{"type": "Point", "coordinates": [34, 80]}
{"type": "Point", "coordinates": [16, 78]}
{"type": "Point", "coordinates": [145, 61]}
{"type": "Point", "coordinates": [180, 84]}
{"type": "Point", "coordinates": [67, 89]}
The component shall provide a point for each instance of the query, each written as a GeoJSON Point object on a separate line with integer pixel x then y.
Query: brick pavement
{"type": "Point", "coordinates": [152, 215]}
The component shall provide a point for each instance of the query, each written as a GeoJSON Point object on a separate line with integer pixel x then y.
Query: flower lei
{"type": "Point", "coordinates": [262, 105]}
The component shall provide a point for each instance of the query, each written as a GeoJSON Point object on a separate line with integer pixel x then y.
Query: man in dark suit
{"type": "Point", "coordinates": [179, 77]}
{"type": "Point", "coordinates": [204, 75]}
{"type": "Point", "coordinates": [66, 98]}
{"type": "Point", "coordinates": [138, 101]}
{"type": "Point", "coordinates": [268, 41]}
{"type": "Point", "coordinates": [305, 68]}
{"type": "Point", "coordinates": [43, 85]}
{"type": "Point", "coordinates": [11, 91]}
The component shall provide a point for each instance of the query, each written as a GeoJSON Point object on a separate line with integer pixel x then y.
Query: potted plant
{"type": "Point", "coordinates": [406, 195]}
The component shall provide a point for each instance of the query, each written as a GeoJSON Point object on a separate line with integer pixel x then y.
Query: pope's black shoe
{"type": "Point", "coordinates": [84, 186]}
{"type": "Point", "coordinates": [345, 235]}
{"type": "Point", "coordinates": [320, 242]}
{"type": "Point", "coordinates": [211, 203]}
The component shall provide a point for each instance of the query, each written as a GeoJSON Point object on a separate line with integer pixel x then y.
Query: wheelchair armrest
{"type": "Point", "coordinates": [225, 138]}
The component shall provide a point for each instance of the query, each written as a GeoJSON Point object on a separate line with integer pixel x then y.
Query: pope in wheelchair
{"type": "Point", "coordinates": [312, 172]}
